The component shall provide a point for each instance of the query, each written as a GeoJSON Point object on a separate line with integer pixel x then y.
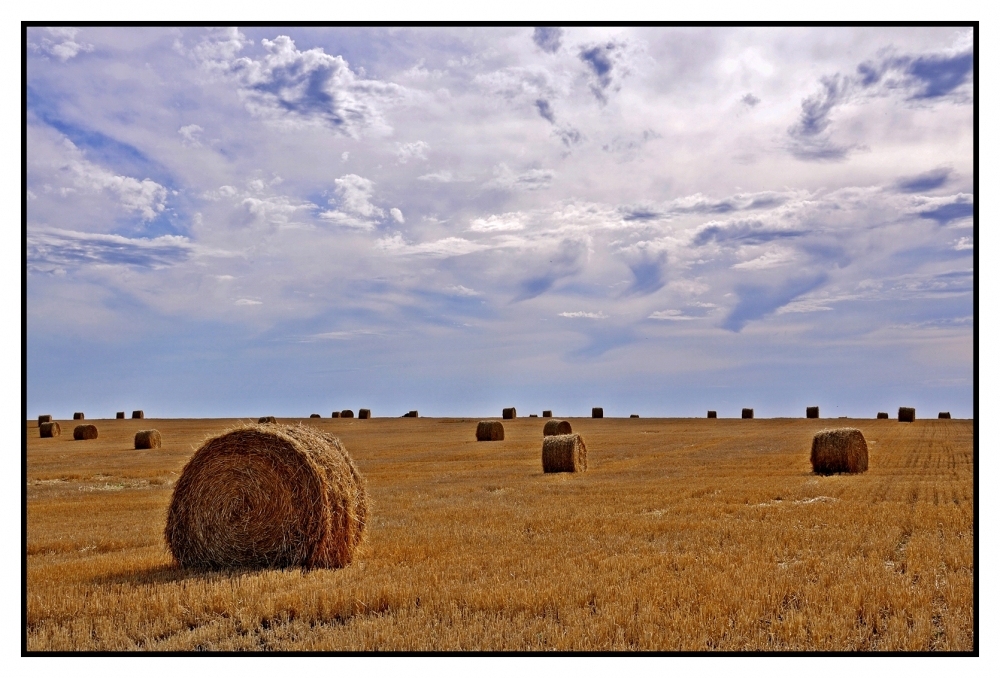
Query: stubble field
{"type": "Point", "coordinates": [684, 534]}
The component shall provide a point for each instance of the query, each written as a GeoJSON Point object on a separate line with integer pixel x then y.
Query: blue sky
{"type": "Point", "coordinates": [235, 222]}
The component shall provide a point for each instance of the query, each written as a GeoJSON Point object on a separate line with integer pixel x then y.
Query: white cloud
{"type": "Point", "coordinates": [583, 314]}
{"type": "Point", "coordinates": [445, 247]}
{"type": "Point", "coordinates": [443, 177]}
{"type": "Point", "coordinates": [353, 201]}
{"type": "Point", "coordinates": [52, 248]}
{"type": "Point", "coordinates": [397, 215]}
{"type": "Point", "coordinates": [411, 151]}
{"type": "Point", "coordinates": [248, 302]}
{"type": "Point", "coordinates": [512, 221]}
{"type": "Point", "coordinates": [462, 291]}
{"type": "Point", "coordinates": [189, 135]}
{"type": "Point", "coordinates": [60, 43]}
{"type": "Point", "coordinates": [531, 180]}
{"type": "Point", "coordinates": [964, 243]}
{"type": "Point", "coordinates": [671, 314]}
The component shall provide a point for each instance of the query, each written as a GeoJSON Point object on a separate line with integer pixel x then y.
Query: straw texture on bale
{"type": "Point", "coordinates": [42, 418]}
{"type": "Point", "coordinates": [364, 414]}
{"type": "Point", "coordinates": [907, 414]}
{"type": "Point", "coordinates": [712, 414]}
{"type": "Point", "coordinates": [147, 440]}
{"type": "Point", "coordinates": [119, 415]}
{"type": "Point", "coordinates": [882, 415]}
{"type": "Point", "coordinates": [597, 412]}
{"type": "Point", "coordinates": [812, 412]}
{"type": "Point", "coordinates": [748, 413]}
{"type": "Point", "coordinates": [335, 415]}
{"type": "Point", "coordinates": [49, 429]}
{"type": "Point", "coordinates": [138, 414]}
{"type": "Point", "coordinates": [510, 413]}
{"type": "Point", "coordinates": [944, 415]}
{"type": "Point", "coordinates": [554, 427]}
{"type": "Point", "coordinates": [78, 415]}
{"type": "Point", "coordinates": [489, 430]}
{"type": "Point", "coordinates": [566, 453]}
{"type": "Point", "coordinates": [839, 450]}
{"type": "Point", "coordinates": [347, 414]}
{"type": "Point", "coordinates": [547, 413]}
{"type": "Point", "coordinates": [267, 420]}
{"type": "Point", "coordinates": [85, 432]}
{"type": "Point", "coordinates": [315, 416]}
{"type": "Point", "coordinates": [268, 496]}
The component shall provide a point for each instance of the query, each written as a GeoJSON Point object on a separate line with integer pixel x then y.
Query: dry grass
{"type": "Point", "coordinates": [683, 535]}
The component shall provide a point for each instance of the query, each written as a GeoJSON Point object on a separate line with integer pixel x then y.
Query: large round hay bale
{"type": "Point", "coordinates": [566, 453]}
{"type": "Point", "coordinates": [147, 440]}
{"type": "Point", "coordinates": [712, 414]}
{"type": "Point", "coordinates": [812, 412]}
{"type": "Point", "coordinates": [944, 415]}
{"type": "Point", "coordinates": [85, 432]}
{"type": "Point", "coordinates": [510, 413]}
{"type": "Point", "coordinates": [489, 430]}
{"type": "Point", "coordinates": [42, 418]}
{"type": "Point", "coordinates": [364, 414]}
{"type": "Point", "coordinates": [547, 414]}
{"type": "Point", "coordinates": [267, 496]}
{"type": "Point", "coordinates": [748, 413]}
{"type": "Point", "coordinates": [839, 450]}
{"type": "Point", "coordinates": [138, 414]}
{"type": "Point", "coordinates": [78, 415]}
{"type": "Point", "coordinates": [119, 415]}
{"type": "Point", "coordinates": [882, 415]}
{"type": "Point", "coordinates": [554, 427]}
{"type": "Point", "coordinates": [267, 420]}
{"type": "Point", "coordinates": [335, 415]}
{"type": "Point", "coordinates": [49, 429]}
{"type": "Point", "coordinates": [597, 412]}
{"type": "Point", "coordinates": [315, 416]}
{"type": "Point", "coordinates": [347, 414]}
{"type": "Point", "coordinates": [907, 414]}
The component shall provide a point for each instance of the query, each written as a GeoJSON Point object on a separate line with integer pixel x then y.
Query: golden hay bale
{"type": "Point", "coordinates": [347, 414]}
{"type": "Point", "coordinates": [944, 415]}
{"type": "Point", "coordinates": [85, 432]}
{"type": "Point", "coordinates": [78, 415]}
{"type": "Point", "coordinates": [119, 415]}
{"type": "Point", "coordinates": [748, 413]}
{"type": "Point", "coordinates": [49, 429]}
{"type": "Point", "coordinates": [138, 414]}
{"type": "Point", "coordinates": [42, 418]}
{"type": "Point", "coordinates": [812, 412]}
{"type": "Point", "coordinates": [839, 450]}
{"type": "Point", "coordinates": [315, 416]}
{"type": "Point", "coordinates": [712, 414]}
{"type": "Point", "coordinates": [364, 414]}
{"type": "Point", "coordinates": [882, 415]}
{"type": "Point", "coordinates": [267, 420]}
{"type": "Point", "coordinates": [597, 413]}
{"type": "Point", "coordinates": [907, 414]}
{"type": "Point", "coordinates": [533, 415]}
{"type": "Point", "coordinates": [335, 415]}
{"type": "Point", "coordinates": [547, 414]}
{"type": "Point", "coordinates": [147, 440]}
{"type": "Point", "coordinates": [554, 427]}
{"type": "Point", "coordinates": [267, 496]}
{"type": "Point", "coordinates": [412, 413]}
{"type": "Point", "coordinates": [510, 413]}
{"type": "Point", "coordinates": [564, 453]}
{"type": "Point", "coordinates": [489, 430]}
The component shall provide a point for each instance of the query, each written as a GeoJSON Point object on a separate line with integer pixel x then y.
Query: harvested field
{"type": "Point", "coordinates": [683, 534]}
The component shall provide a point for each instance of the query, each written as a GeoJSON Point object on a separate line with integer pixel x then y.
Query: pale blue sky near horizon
{"type": "Point", "coordinates": [661, 221]}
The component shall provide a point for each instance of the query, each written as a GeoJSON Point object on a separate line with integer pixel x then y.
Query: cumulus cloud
{"type": "Point", "coordinates": [505, 178]}
{"type": "Point", "coordinates": [512, 221]}
{"type": "Point", "coordinates": [189, 135]}
{"type": "Point", "coordinates": [59, 42]}
{"type": "Point", "coordinates": [353, 202]}
{"type": "Point", "coordinates": [397, 215]}
{"type": "Point", "coordinates": [412, 150]}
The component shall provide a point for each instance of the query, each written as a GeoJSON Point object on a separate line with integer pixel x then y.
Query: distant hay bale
{"type": "Point", "coordinates": [907, 414]}
{"type": "Point", "coordinates": [489, 430]}
{"type": "Point", "coordinates": [533, 415]}
{"type": "Point", "coordinates": [712, 414]}
{"type": "Point", "coordinates": [119, 415]}
{"type": "Point", "coordinates": [138, 414]}
{"type": "Point", "coordinates": [268, 496]}
{"type": "Point", "coordinates": [633, 416]}
{"type": "Point", "coordinates": [597, 413]}
{"type": "Point", "coordinates": [364, 414]}
{"type": "Point", "coordinates": [42, 418]}
{"type": "Point", "coordinates": [85, 432]}
{"type": "Point", "coordinates": [147, 440]}
{"type": "Point", "coordinates": [547, 414]}
{"type": "Point", "coordinates": [565, 453]}
{"type": "Point", "coordinates": [554, 427]}
{"type": "Point", "coordinates": [335, 415]}
{"type": "Point", "coordinates": [315, 416]}
{"type": "Point", "coordinates": [49, 429]}
{"type": "Point", "coordinates": [839, 450]}
{"type": "Point", "coordinates": [78, 415]}
{"type": "Point", "coordinates": [412, 413]}
{"type": "Point", "coordinates": [510, 413]}
{"type": "Point", "coordinates": [944, 415]}
{"type": "Point", "coordinates": [882, 415]}
{"type": "Point", "coordinates": [267, 420]}
{"type": "Point", "coordinates": [812, 412]}
{"type": "Point", "coordinates": [748, 413]}
{"type": "Point", "coordinates": [347, 414]}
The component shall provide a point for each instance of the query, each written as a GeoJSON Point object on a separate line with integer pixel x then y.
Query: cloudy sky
{"type": "Point", "coordinates": [236, 222]}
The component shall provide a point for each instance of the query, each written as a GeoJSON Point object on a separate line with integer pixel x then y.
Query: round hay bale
{"type": "Point", "coordinates": [547, 414]}
{"type": "Point", "coordinates": [78, 415]}
{"type": "Point", "coordinates": [489, 430]}
{"type": "Point", "coordinates": [85, 432]}
{"type": "Point", "coordinates": [347, 414]}
{"type": "Point", "coordinates": [533, 415]}
{"type": "Point", "coordinates": [554, 427]}
{"type": "Point", "coordinates": [315, 416]}
{"type": "Point", "coordinates": [633, 416]}
{"type": "Point", "coordinates": [411, 413]}
{"type": "Point", "coordinates": [138, 414]}
{"type": "Point", "coordinates": [267, 496]}
{"type": "Point", "coordinates": [510, 413]}
{"type": "Point", "coordinates": [147, 440]}
{"type": "Point", "coordinates": [364, 414]}
{"type": "Point", "coordinates": [565, 453]}
{"type": "Point", "coordinates": [42, 418]}
{"type": "Point", "coordinates": [882, 415]}
{"type": "Point", "coordinates": [119, 415]}
{"type": "Point", "coordinates": [267, 420]}
{"type": "Point", "coordinates": [944, 415]}
{"type": "Point", "coordinates": [907, 414]}
{"type": "Point", "coordinates": [335, 415]}
{"type": "Point", "coordinates": [812, 412]}
{"type": "Point", "coordinates": [839, 450]}
{"type": "Point", "coordinates": [597, 413]}
{"type": "Point", "coordinates": [748, 413]}
{"type": "Point", "coordinates": [49, 429]}
{"type": "Point", "coordinates": [712, 414]}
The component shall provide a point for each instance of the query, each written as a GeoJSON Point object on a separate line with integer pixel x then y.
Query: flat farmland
{"type": "Point", "coordinates": [684, 534]}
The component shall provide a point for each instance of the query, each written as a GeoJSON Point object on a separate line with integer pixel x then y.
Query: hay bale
{"type": "Point", "coordinates": [547, 414]}
{"type": "Point", "coordinates": [489, 430]}
{"type": "Point", "coordinates": [268, 496]}
{"type": "Point", "coordinates": [633, 416]}
{"type": "Point", "coordinates": [907, 414]}
{"type": "Point", "coordinates": [812, 412]}
{"type": "Point", "coordinates": [510, 413]}
{"type": "Point", "coordinates": [85, 432]}
{"type": "Point", "coordinates": [533, 415]}
{"type": "Point", "coordinates": [147, 440]}
{"type": "Point", "coordinates": [364, 414]}
{"type": "Point", "coordinates": [138, 414]}
{"type": "Point", "coordinates": [315, 416]}
{"type": "Point", "coordinates": [119, 415]}
{"type": "Point", "coordinates": [412, 413]}
{"type": "Point", "coordinates": [267, 420]}
{"type": "Point", "coordinates": [748, 413]}
{"type": "Point", "coordinates": [565, 453]}
{"type": "Point", "coordinates": [944, 415]}
{"type": "Point", "coordinates": [597, 413]}
{"type": "Point", "coordinates": [49, 429]}
{"type": "Point", "coordinates": [78, 415]}
{"type": "Point", "coordinates": [335, 415]}
{"type": "Point", "coordinates": [839, 450]}
{"type": "Point", "coordinates": [554, 427]}
{"type": "Point", "coordinates": [347, 414]}
{"type": "Point", "coordinates": [882, 415]}
{"type": "Point", "coordinates": [42, 418]}
{"type": "Point", "coordinates": [712, 414]}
